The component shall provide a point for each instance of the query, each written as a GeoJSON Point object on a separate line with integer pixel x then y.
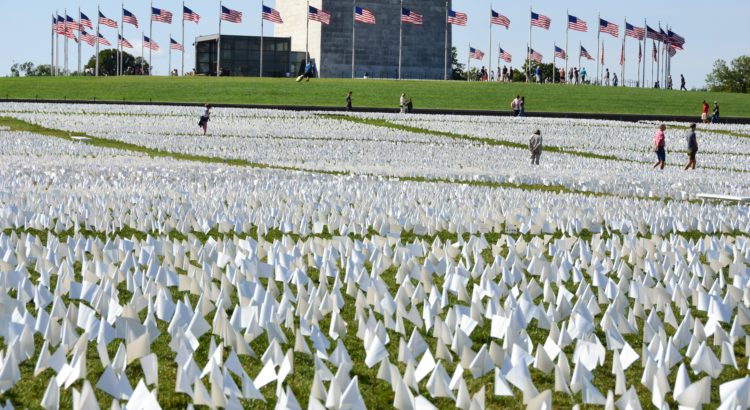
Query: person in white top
{"type": "Point", "coordinates": [402, 103]}
{"type": "Point", "coordinates": [203, 123]}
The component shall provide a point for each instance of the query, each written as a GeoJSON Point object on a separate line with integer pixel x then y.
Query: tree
{"type": "Point", "coordinates": [108, 63]}
{"type": "Point", "coordinates": [547, 71]}
{"type": "Point", "coordinates": [16, 70]}
{"type": "Point", "coordinates": [734, 79]}
{"type": "Point", "coordinates": [458, 68]}
{"type": "Point", "coordinates": [44, 70]}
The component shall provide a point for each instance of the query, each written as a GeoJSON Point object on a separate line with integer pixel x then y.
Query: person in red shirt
{"type": "Point", "coordinates": [704, 114]}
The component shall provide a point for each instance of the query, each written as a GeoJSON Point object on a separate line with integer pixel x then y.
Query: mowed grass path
{"type": "Point", "coordinates": [374, 94]}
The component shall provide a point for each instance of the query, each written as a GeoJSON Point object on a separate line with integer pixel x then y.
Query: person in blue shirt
{"type": "Point", "coordinates": [308, 71]}
{"type": "Point", "coordinates": [538, 74]}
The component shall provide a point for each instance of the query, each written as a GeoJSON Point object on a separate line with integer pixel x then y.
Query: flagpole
{"type": "Point", "coordinates": [400, 36]}
{"type": "Point", "coordinates": [98, 10]}
{"type": "Point", "coordinates": [645, 38]}
{"type": "Point", "coordinates": [122, 35]}
{"type": "Point", "coordinates": [445, 60]}
{"type": "Point", "coordinates": [218, 43]}
{"type": "Point", "coordinates": [52, 46]}
{"type": "Point", "coordinates": [579, 58]}
{"type": "Point", "coordinates": [567, 30]}
{"type": "Point", "coordinates": [260, 73]}
{"type": "Point", "coordinates": [468, 65]}
{"type": "Point", "coordinates": [554, 61]}
{"type": "Point", "coordinates": [622, 53]}
{"type": "Point", "coordinates": [653, 47]}
{"type": "Point", "coordinates": [307, 34]}
{"type": "Point", "coordinates": [170, 54]}
{"type": "Point", "coordinates": [65, 26]}
{"type": "Point", "coordinates": [489, 61]}
{"type": "Point", "coordinates": [79, 41]}
{"type": "Point", "coordinates": [528, 48]}
{"type": "Point", "coordinates": [182, 68]}
{"type": "Point", "coordinates": [598, 42]}
{"type": "Point", "coordinates": [151, 40]}
{"type": "Point", "coordinates": [57, 46]}
{"type": "Point", "coordinates": [354, 32]}
{"type": "Point", "coordinates": [640, 56]}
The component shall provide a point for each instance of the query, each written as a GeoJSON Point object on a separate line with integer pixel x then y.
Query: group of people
{"type": "Point", "coordinates": [660, 146]}
{"type": "Point", "coordinates": [714, 116]}
{"type": "Point", "coordinates": [518, 105]}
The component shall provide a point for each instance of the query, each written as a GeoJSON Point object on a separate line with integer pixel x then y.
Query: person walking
{"type": "Point", "coordinates": [583, 75]}
{"type": "Point", "coordinates": [606, 77]}
{"type": "Point", "coordinates": [715, 117]}
{"type": "Point", "coordinates": [522, 107]}
{"type": "Point", "coordinates": [515, 105]}
{"type": "Point", "coordinates": [660, 147]}
{"type": "Point", "coordinates": [576, 73]}
{"type": "Point", "coordinates": [614, 79]}
{"type": "Point", "coordinates": [308, 71]}
{"type": "Point", "coordinates": [349, 101]}
{"type": "Point", "coordinates": [539, 74]}
{"type": "Point", "coordinates": [682, 83]}
{"type": "Point", "coordinates": [205, 118]}
{"type": "Point", "coordinates": [692, 147]}
{"type": "Point", "coordinates": [704, 113]}
{"type": "Point", "coordinates": [535, 147]}
{"type": "Point", "coordinates": [402, 103]}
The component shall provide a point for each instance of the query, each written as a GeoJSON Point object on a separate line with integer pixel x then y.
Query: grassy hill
{"type": "Point", "coordinates": [375, 93]}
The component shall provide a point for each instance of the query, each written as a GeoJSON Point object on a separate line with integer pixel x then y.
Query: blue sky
{"type": "Point", "coordinates": [715, 29]}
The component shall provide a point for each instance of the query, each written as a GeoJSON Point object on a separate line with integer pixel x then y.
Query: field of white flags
{"type": "Point", "coordinates": [301, 260]}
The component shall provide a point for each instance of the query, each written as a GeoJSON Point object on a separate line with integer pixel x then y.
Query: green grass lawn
{"type": "Point", "coordinates": [375, 93]}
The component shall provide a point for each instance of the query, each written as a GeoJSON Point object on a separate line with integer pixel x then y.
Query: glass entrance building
{"type": "Point", "coordinates": [240, 56]}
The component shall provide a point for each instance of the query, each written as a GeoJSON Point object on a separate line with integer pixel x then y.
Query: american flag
{"type": "Point", "coordinates": [190, 15]}
{"type": "Point", "coordinates": [87, 38]}
{"type": "Point", "coordinates": [653, 34]}
{"type": "Point", "coordinates": [85, 21]}
{"type": "Point", "coordinates": [106, 21]}
{"type": "Point", "coordinates": [476, 53]}
{"type": "Point", "coordinates": [676, 39]}
{"type": "Point", "coordinates": [574, 23]}
{"type": "Point", "coordinates": [364, 16]}
{"type": "Point", "coordinates": [123, 42]}
{"type": "Point", "coordinates": [640, 53]}
{"type": "Point", "coordinates": [622, 55]}
{"type": "Point", "coordinates": [664, 36]}
{"type": "Point", "coordinates": [457, 18]}
{"type": "Point", "coordinates": [103, 41]}
{"type": "Point", "coordinates": [602, 53]}
{"type": "Point", "coordinates": [151, 45]}
{"type": "Point", "coordinates": [232, 16]}
{"type": "Point", "coordinates": [540, 20]}
{"type": "Point", "coordinates": [635, 32]}
{"type": "Point", "coordinates": [585, 54]}
{"type": "Point", "coordinates": [672, 50]}
{"type": "Point", "coordinates": [161, 15]}
{"type": "Point", "coordinates": [128, 17]}
{"type": "Point", "coordinates": [174, 45]}
{"type": "Point", "coordinates": [560, 53]}
{"type": "Point", "coordinates": [60, 25]}
{"type": "Point", "coordinates": [272, 15]}
{"type": "Point", "coordinates": [609, 28]}
{"type": "Point", "coordinates": [505, 56]}
{"type": "Point", "coordinates": [70, 24]}
{"type": "Point", "coordinates": [655, 53]}
{"type": "Point", "coordinates": [535, 56]}
{"type": "Point", "coordinates": [499, 19]}
{"type": "Point", "coordinates": [318, 15]}
{"type": "Point", "coordinates": [408, 16]}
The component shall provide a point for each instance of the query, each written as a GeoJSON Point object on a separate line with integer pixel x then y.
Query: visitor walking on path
{"type": "Point", "coordinates": [515, 105]}
{"type": "Point", "coordinates": [583, 75]}
{"type": "Point", "coordinates": [522, 107]}
{"type": "Point", "coordinates": [682, 83]}
{"type": "Point", "coordinates": [402, 103]}
{"type": "Point", "coordinates": [308, 71]}
{"type": "Point", "coordinates": [205, 118]}
{"type": "Point", "coordinates": [349, 101]}
{"type": "Point", "coordinates": [606, 77]}
{"type": "Point", "coordinates": [715, 117]}
{"type": "Point", "coordinates": [538, 74]}
{"type": "Point", "coordinates": [535, 147]}
{"type": "Point", "coordinates": [704, 113]}
{"type": "Point", "coordinates": [660, 147]}
{"type": "Point", "coordinates": [692, 147]}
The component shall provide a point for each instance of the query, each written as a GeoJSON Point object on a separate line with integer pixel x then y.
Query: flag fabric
{"type": "Point", "coordinates": [677, 40]}
{"type": "Point", "coordinates": [318, 15]}
{"type": "Point", "coordinates": [499, 19]}
{"type": "Point", "coordinates": [672, 50]}
{"type": "Point", "coordinates": [70, 24]}
{"type": "Point", "coordinates": [128, 17]}
{"type": "Point", "coordinates": [232, 16]}
{"type": "Point", "coordinates": [505, 56]}
{"type": "Point", "coordinates": [540, 20]}
{"type": "Point", "coordinates": [476, 53]}
{"type": "Point", "coordinates": [85, 21]}
{"type": "Point", "coordinates": [609, 28]}
{"type": "Point", "coordinates": [653, 34]}
{"type": "Point", "coordinates": [640, 53]}
{"type": "Point", "coordinates": [123, 42]}
{"type": "Point", "coordinates": [602, 53]}
{"type": "Point", "coordinates": [87, 38]}
{"type": "Point", "coordinates": [635, 32]}
{"type": "Point", "coordinates": [54, 24]}
{"type": "Point", "coordinates": [161, 15]}
{"type": "Point", "coordinates": [60, 25]}
{"type": "Point", "coordinates": [457, 18]}
{"type": "Point", "coordinates": [151, 45]}
{"type": "Point", "coordinates": [106, 21]}
{"type": "Point", "coordinates": [574, 23]}
{"type": "Point", "coordinates": [272, 15]}
{"type": "Point", "coordinates": [560, 53]}
{"type": "Point", "coordinates": [585, 54]}
{"type": "Point", "coordinates": [664, 36]}
{"type": "Point", "coordinates": [190, 15]}
{"type": "Point", "coordinates": [408, 16]}
{"type": "Point", "coordinates": [103, 41]}
{"type": "Point", "coordinates": [535, 56]}
{"type": "Point", "coordinates": [174, 45]}
{"type": "Point", "coordinates": [365, 16]}
{"type": "Point", "coordinates": [655, 53]}
{"type": "Point", "coordinates": [622, 55]}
